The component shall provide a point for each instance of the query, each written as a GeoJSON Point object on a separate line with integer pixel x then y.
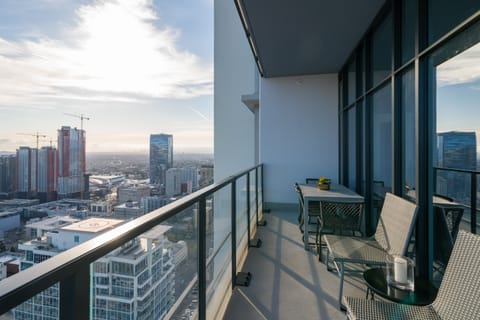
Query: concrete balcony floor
{"type": "Point", "coordinates": [287, 281]}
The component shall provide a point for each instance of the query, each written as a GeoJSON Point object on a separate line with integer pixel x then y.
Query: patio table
{"type": "Point", "coordinates": [337, 192]}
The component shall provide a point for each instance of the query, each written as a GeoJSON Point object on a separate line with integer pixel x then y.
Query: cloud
{"type": "Point", "coordinates": [461, 69]}
{"type": "Point", "coordinates": [115, 51]}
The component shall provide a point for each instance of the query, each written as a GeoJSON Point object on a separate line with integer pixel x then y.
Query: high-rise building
{"type": "Point", "coordinates": [26, 172]}
{"type": "Point", "coordinates": [457, 149]}
{"type": "Point", "coordinates": [135, 281]}
{"type": "Point", "coordinates": [161, 157]}
{"type": "Point", "coordinates": [47, 174]}
{"type": "Point", "coordinates": [71, 162]}
{"type": "Point", "coordinates": [8, 169]}
{"type": "Point", "coordinates": [181, 180]}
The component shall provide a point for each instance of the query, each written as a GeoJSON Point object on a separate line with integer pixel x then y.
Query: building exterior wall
{"type": "Point", "coordinates": [234, 76]}
{"type": "Point", "coordinates": [298, 132]}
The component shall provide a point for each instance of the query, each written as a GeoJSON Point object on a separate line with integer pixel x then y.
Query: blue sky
{"type": "Point", "coordinates": [135, 67]}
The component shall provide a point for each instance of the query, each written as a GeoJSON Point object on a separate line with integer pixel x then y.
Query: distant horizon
{"type": "Point", "coordinates": [128, 69]}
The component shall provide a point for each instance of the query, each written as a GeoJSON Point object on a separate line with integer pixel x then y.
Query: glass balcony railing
{"type": "Point", "coordinates": [177, 262]}
{"type": "Point", "coordinates": [462, 187]}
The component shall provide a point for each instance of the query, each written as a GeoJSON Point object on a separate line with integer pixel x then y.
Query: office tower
{"type": "Point", "coordinates": [26, 172]}
{"type": "Point", "coordinates": [161, 157]}
{"type": "Point", "coordinates": [47, 174]}
{"type": "Point", "coordinates": [71, 162]}
{"type": "Point", "coordinates": [8, 169]}
{"type": "Point", "coordinates": [457, 150]}
{"type": "Point", "coordinates": [181, 180]}
{"type": "Point", "coordinates": [152, 203]}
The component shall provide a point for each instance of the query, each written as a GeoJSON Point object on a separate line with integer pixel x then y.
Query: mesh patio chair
{"type": "Point", "coordinates": [313, 213]}
{"type": "Point", "coordinates": [392, 236]}
{"type": "Point", "coordinates": [338, 218]}
{"type": "Point", "coordinates": [457, 297]}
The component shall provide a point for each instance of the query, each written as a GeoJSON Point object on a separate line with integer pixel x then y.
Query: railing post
{"type": "Point", "coordinates": [251, 243]}
{"type": "Point", "coordinates": [248, 208]}
{"type": "Point", "coordinates": [473, 202]}
{"type": "Point", "coordinates": [75, 295]}
{"type": "Point", "coordinates": [259, 223]}
{"type": "Point", "coordinates": [265, 210]}
{"type": "Point", "coordinates": [202, 259]}
{"type": "Point", "coordinates": [242, 278]}
{"type": "Point", "coordinates": [234, 231]}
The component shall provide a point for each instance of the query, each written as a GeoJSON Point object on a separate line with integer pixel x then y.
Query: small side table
{"type": "Point", "coordinates": [376, 279]}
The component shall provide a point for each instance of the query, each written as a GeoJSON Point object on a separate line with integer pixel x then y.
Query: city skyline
{"type": "Point", "coordinates": [70, 58]}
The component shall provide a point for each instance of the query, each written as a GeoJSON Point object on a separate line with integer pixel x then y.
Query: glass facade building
{"type": "Point", "coordinates": [161, 157]}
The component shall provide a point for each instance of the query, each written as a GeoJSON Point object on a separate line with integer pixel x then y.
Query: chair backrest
{"type": "Point", "coordinates": [396, 223]}
{"type": "Point", "coordinates": [341, 216]}
{"type": "Point", "coordinates": [458, 294]}
{"type": "Point", "coordinates": [300, 196]}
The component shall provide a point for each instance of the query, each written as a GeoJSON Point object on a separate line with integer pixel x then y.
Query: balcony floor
{"type": "Point", "coordinates": [287, 281]}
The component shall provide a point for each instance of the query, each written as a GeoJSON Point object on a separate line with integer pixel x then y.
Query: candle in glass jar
{"type": "Point", "coordinates": [400, 269]}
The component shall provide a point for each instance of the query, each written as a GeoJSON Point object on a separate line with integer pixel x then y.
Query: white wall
{"type": "Point", "coordinates": [298, 132]}
{"type": "Point", "coordinates": [234, 76]}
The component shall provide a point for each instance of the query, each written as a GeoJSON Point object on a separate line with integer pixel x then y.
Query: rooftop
{"type": "Point", "coordinates": [93, 225]}
{"type": "Point", "coordinates": [52, 223]}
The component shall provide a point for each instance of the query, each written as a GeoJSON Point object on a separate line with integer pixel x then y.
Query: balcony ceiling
{"type": "Point", "coordinates": [298, 37]}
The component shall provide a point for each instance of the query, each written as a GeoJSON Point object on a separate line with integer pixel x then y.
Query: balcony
{"type": "Point", "coordinates": [286, 281]}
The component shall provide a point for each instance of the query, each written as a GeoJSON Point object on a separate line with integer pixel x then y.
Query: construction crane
{"type": "Point", "coordinates": [79, 116]}
{"type": "Point", "coordinates": [37, 135]}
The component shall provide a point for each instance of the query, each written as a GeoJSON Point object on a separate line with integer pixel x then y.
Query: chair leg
{"type": "Point", "coordinates": [340, 292]}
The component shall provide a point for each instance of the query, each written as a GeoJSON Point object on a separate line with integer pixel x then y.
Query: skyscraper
{"type": "Point", "coordinates": [71, 162]}
{"type": "Point", "coordinates": [161, 157]}
{"type": "Point", "coordinates": [8, 169]}
{"type": "Point", "coordinates": [47, 174]}
{"type": "Point", "coordinates": [457, 149]}
{"type": "Point", "coordinates": [26, 172]}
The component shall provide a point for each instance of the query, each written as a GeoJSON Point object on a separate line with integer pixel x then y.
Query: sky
{"type": "Point", "coordinates": [134, 67]}
{"type": "Point", "coordinates": [458, 93]}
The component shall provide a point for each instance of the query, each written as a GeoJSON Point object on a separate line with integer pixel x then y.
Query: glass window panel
{"type": "Point", "coordinates": [381, 55]}
{"type": "Point", "coordinates": [361, 71]}
{"type": "Point", "coordinates": [382, 145]}
{"type": "Point", "coordinates": [340, 96]}
{"type": "Point", "coordinates": [409, 24]}
{"type": "Point", "coordinates": [409, 128]}
{"type": "Point", "coordinates": [444, 15]}
{"type": "Point", "coordinates": [352, 149]}
{"type": "Point", "coordinates": [351, 74]}
{"type": "Point", "coordinates": [455, 140]}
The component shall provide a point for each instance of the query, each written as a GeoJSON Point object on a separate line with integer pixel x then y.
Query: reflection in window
{"type": "Point", "coordinates": [444, 15]}
{"type": "Point", "coordinates": [352, 150]}
{"type": "Point", "coordinates": [381, 57]}
{"type": "Point", "coordinates": [409, 126]}
{"type": "Point", "coordinates": [351, 82]}
{"type": "Point", "coordinates": [382, 142]}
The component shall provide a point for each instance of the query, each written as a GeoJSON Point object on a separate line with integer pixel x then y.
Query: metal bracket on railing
{"type": "Point", "coordinates": [255, 243]}
{"type": "Point", "coordinates": [262, 223]}
{"type": "Point", "coordinates": [243, 279]}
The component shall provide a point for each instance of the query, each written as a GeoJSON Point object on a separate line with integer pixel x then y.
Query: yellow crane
{"type": "Point", "coordinates": [79, 116]}
{"type": "Point", "coordinates": [37, 135]}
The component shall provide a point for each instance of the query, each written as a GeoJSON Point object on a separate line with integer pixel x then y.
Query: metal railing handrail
{"type": "Point", "coordinates": [20, 287]}
{"type": "Point", "coordinates": [473, 192]}
{"type": "Point", "coordinates": [457, 170]}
